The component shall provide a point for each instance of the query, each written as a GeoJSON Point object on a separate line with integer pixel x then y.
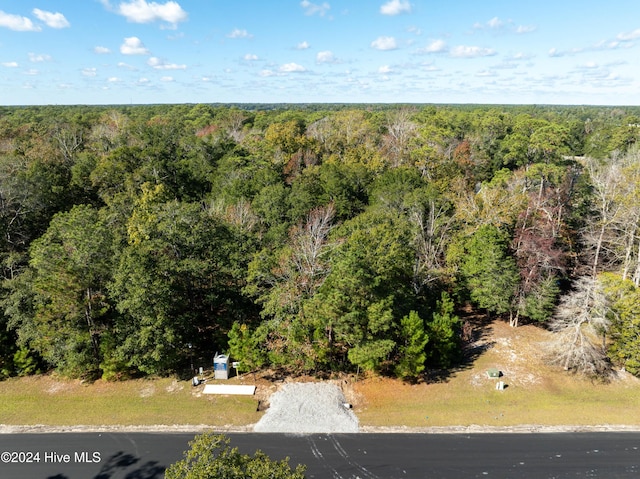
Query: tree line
{"type": "Point", "coordinates": [314, 238]}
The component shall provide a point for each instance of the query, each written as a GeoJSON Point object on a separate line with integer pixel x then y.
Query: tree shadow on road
{"type": "Point", "coordinates": [115, 463]}
{"type": "Point", "coordinates": [120, 463]}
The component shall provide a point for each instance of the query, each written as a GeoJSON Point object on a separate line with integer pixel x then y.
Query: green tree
{"type": "Point", "coordinates": [70, 267]}
{"type": "Point", "coordinates": [488, 271]}
{"type": "Point", "coordinates": [624, 331]}
{"type": "Point", "coordinates": [412, 347]}
{"type": "Point", "coordinates": [172, 283]}
{"type": "Point", "coordinates": [248, 347]}
{"type": "Point", "coordinates": [516, 148]}
{"type": "Point", "coordinates": [211, 456]}
{"type": "Point", "coordinates": [360, 303]}
{"type": "Point", "coordinates": [444, 333]}
{"type": "Point", "coordinates": [549, 143]}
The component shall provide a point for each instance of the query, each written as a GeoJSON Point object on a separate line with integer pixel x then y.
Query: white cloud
{"type": "Point", "coordinates": [313, 9]}
{"type": "Point", "coordinates": [159, 64]}
{"type": "Point", "coordinates": [126, 66]}
{"type": "Point", "coordinates": [463, 51]}
{"type": "Point", "coordinates": [101, 50]}
{"type": "Point", "coordinates": [428, 67]}
{"type": "Point", "coordinates": [266, 73]}
{"type": "Point", "coordinates": [384, 69]}
{"type": "Point", "coordinates": [39, 58]}
{"type": "Point", "coordinates": [495, 22]}
{"type": "Point", "coordinates": [520, 29]}
{"type": "Point", "coordinates": [395, 7]}
{"type": "Point", "coordinates": [610, 45]}
{"type": "Point", "coordinates": [555, 53]}
{"type": "Point", "coordinates": [139, 11]}
{"type": "Point", "coordinates": [133, 46]}
{"type": "Point", "coordinates": [436, 46]}
{"type": "Point", "coordinates": [520, 56]}
{"type": "Point", "coordinates": [89, 72]}
{"type": "Point", "coordinates": [113, 80]}
{"type": "Point", "coordinates": [326, 57]}
{"type": "Point", "coordinates": [53, 20]}
{"type": "Point", "coordinates": [237, 33]}
{"type": "Point", "coordinates": [292, 67]}
{"type": "Point", "coordinates": [32, 71]}
{"type": "Point", "coordinates": [384, 43]}
{"type": "Point", "coordinates": [250, 57]}
{"type": "Point", "coordinates": [622, 42]}
{"type": "Point", "coordinates": [628, 36]}
{"type": "Point", "coordinates": [303, 45]}
{"type": "Point", "coordinates": [10, 64]}
{"type": "Point", "coordinates": [166, 79]}
{"type": "Point", "coordinates": [17, 23]}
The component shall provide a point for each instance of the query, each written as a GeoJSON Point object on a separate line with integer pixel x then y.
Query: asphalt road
{"type": "Point", "coordinates": [335, 456]}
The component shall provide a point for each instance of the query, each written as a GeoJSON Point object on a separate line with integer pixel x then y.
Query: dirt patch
{"type": "Point", "coordinates": [147, 391]}
{"type": "Point", "coordinates": [175, 386]}
{"type": "Point", "coordinates": [515, 352]}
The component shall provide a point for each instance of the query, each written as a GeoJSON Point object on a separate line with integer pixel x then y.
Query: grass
{"type": "Point", "coordinates": [48, 400]}
{"type": "Point", "coordinates": [456, 404]}
{"type": "Point", "coordinates": [535, 394]}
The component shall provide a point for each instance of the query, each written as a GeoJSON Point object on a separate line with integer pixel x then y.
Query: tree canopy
{"type": "Point", "coordinates": [310, 238]}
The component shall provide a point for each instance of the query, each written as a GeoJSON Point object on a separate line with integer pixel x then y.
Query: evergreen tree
{"type": "Point", "coordinates": [443, 332]}
{"type": "Point", "coordinates": [624, 301]}
{"type": "Point", "coordinates": [488, 271]}
{"type": "Point", "coordinates": [412, 347]}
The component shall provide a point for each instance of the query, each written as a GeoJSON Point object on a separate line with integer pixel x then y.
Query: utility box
{"type": "Point", "coordinates": [221, 367]}
{"type": "Point", "coordinates": [493, 373]}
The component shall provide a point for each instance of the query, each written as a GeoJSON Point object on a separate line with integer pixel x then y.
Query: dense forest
{"type": "Point", "coordinates": [314, 238]}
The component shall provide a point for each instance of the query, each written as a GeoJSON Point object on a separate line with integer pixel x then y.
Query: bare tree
{"type": "Point", "coordinates": [613, 238]}
{"type": "Point", "coordinates": [309, 244]}
{"type": "Point", "coordinates": [433, 223]}
{"type": "Point", "coordinates": [69, 138]}
{"type": "Point", "coordinates": [598, 234]}
{"type": "Point", "coordinates": [580, 323]}
{"type": "Point", "coordinates": [400, 131]}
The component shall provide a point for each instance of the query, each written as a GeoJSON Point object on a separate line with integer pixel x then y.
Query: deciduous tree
{"type": "Point", "coordinates": [210, 455]}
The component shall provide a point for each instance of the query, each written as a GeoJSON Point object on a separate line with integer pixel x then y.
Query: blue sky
{"type": "Point", "coordinates": [423, 51]}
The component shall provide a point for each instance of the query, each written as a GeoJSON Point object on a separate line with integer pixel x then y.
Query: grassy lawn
{"type": "Point", "coordinates": [535, 395]}
{"type": "Point", "coordinates": [52, 401]}
{"type": "Point", "coordinates": [455, 403]}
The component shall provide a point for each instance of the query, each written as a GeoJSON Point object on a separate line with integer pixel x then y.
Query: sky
{"type": "Point", "coordinates": [336, 51]}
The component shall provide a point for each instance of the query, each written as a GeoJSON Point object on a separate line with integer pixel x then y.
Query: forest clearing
{"type": "Point", "coordinates": [538, 398]}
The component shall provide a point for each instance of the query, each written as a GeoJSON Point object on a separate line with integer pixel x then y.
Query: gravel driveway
{"type": "Point", "coordinates": [308, 408]}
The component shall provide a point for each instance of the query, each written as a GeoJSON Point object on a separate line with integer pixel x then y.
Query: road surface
{"type": "Point", "coordinates": [334, 456]}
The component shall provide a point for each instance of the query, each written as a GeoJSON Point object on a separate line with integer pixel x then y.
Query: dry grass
{"type": "Point", "coordinates": [535, 393]}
